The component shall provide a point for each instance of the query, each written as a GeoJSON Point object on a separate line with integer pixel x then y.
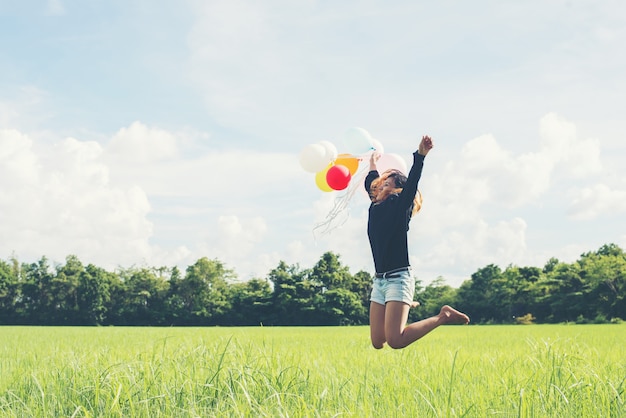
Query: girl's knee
{"type": "Point", "coordinates": [378, 345]}
{"type": "Point", "coordinates": [378, 342]}
{"type": "Point", "coordinates": [396, 343]}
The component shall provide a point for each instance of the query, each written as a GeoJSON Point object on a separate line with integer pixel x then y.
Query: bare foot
{"type": "Point", "coordinates": [415, 304]}
{"type": "Point", "coordinates": [449, 315]}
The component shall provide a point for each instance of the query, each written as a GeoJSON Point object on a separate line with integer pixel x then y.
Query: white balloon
{"type": "Point", "coordinates": [357, 141]}
{"type": "Point", "coordinates": [313, 158]}
{"type": "Point", "coordinates": [378, 146]}
{"type": "Point", "coordinates": [331, 150]}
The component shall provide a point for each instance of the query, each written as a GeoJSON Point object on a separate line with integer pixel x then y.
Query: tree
{"type": "Point", "coordinates": [144, 297]}
{"type": "Point", "coordinates": [36, 304]}
{"type": "Point", "coordinates": [204, 293]}
{"type": "Point", "coordinates": [341, 307]}
{"type": "Point", "coordinates": [567, 293]}
{"type": "Point", "coordinates": [250, 303]}
{"type": "Point", "coordinates": [476, 296]}
{"type": "Point", "coordinates": [518, 291]}
{"type": "Point", "coordinates": [591, 289]}
{"type": "Point", "coordinates": [432, 298]}
{"type": "Point", "coordinates": [337, 298]}
{"type": "Point", "coordinates": [64, 292]}
{"type": "Point", "coordinates": [604, 272]}
{"type": "Point", "coordinates": [288, 299]}
{"type": "Point", "coordinates": [551, 265]}
{"type": "Point", "coordinates": [361, 285]}
{"type": "Point", "coordinates": [329, 273]}
{"type": "Point", "coordinates": [94, 295]}
{"type": "Point", "coordinates": [9, 292]}
{"type": "Point", "coordinates": [175, 303]}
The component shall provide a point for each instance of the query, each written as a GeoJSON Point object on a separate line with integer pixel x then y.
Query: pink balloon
{"type": "Point", "coordinates": [338, 177]}
{"type": "Point", "coordinates": [391, 161]}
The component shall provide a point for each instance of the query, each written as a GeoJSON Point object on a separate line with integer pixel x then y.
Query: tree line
{"type": "Point", "coordinates": [591, 289]}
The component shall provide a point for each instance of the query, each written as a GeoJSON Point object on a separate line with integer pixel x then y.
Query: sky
{"type": "Point", "coordinates": [154, 133]}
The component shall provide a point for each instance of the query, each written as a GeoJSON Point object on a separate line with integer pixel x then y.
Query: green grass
{"type": "Point", "coordinates": [471, 371]}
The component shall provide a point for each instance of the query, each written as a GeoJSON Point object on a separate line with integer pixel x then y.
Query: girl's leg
{"type": "Point", "coordinates": [377, 324]}
{"type": "Point", "coordinates": [399, 335]}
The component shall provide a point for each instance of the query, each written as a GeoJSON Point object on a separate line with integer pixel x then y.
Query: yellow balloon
{"type": "Point", "coordinates": [352, 163]}
{"type": "Point", "coordinates": [320, 179]}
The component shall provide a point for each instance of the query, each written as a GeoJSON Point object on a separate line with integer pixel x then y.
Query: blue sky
{"type": "Point", "coordinates": [155, 133]}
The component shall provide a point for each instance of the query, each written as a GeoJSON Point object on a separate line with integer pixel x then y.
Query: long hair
{"type": "Point", "coordinates": [399, 180]}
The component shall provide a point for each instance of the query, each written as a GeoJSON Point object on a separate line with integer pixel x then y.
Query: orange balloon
{"type": "Point", "coordinates": [320, 179]}
{"type": "Point", "coordinates": [347, 160]}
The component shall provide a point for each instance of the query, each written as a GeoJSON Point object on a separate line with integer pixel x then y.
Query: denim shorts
{"type": "Point", "coordinates": [399, 287]}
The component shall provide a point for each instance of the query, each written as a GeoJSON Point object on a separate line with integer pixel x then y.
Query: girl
{"type": "Point", "coordinates": [393, 203]}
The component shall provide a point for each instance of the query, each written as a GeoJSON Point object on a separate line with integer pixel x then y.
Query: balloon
{"type": "Point", "coordinates": [357, 141]}
{"type": "Point", "coordinates": [349, 161]}
{"type": "Point", "coordinates": [338, 177]}
{"type": "Point", "coordinates": [331, 150]}
{"type": "Point", "coordinates": [320, 179]}
{"type": "Point", "coordinates": [378, 146]}
{"type": "Point", "coordinates": [391, 161]}
{"type": "Point", "coordinates": [313, 158]}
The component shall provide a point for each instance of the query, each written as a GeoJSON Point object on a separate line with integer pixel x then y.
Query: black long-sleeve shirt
{"type": "Point", "coordinates": [388, 221]}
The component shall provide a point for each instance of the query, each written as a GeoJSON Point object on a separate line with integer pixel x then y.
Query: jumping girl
{"type": "Point", "coordinates": [394, 202]}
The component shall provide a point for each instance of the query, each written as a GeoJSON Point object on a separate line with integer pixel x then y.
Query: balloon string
{"type": "Point", "coordinates": [338, 214]}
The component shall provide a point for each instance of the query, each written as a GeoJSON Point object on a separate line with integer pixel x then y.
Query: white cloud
{"type": "Point", "coordinates": [24, 110]}
{"type": "Point", "coordinates": [77, 162]}
{"type": "Point", "coordinates": [18, 164]}
{"type": "Point", "coordinates": [597, 200]}
{"type": "Point", "coordinates": [475, 245]}
{"type": "Point", "coordinates": [57, 201]}
{"type": "Point", "coordinates": [89, 205]}
{"type": "Point", "coordinates": [240, 234]}
{"type": "Point", "coordinates": [295, 251]}
{"type": "Point", "coordinates": [239, 243]}
{"type": "Point", "coordinates": [559, 142]}
{"type": "Point", "coordinates": [140, 144]}
{"type": "Point", "coordinates": [218, 198]}
{"type": "Point", "coordinates": [349, 241]}
{"type": "Point", "coordinates": [510, 180]}
{"type": "Point", "coordinates": [486, 173]}
{"type": "Point", "coordinates": [8, 114]}
{"type": "Point", "coordinates": [167, 164]}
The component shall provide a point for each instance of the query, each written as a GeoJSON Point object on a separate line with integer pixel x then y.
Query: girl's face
{"type": "Point", "coordinates": [386, 186]}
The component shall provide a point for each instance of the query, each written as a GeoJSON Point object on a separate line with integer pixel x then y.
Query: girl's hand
{"type": "Point", "coordinates": [373, 158]}
{"type": "Point", "coordinates": [426, 144]}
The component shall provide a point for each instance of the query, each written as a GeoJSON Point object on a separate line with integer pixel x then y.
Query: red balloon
{"type": "Point", "coordinates": [338, 177]}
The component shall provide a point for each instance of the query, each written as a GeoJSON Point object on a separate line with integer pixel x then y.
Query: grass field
{"type": "Point", "coordinates": [471, 371]}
